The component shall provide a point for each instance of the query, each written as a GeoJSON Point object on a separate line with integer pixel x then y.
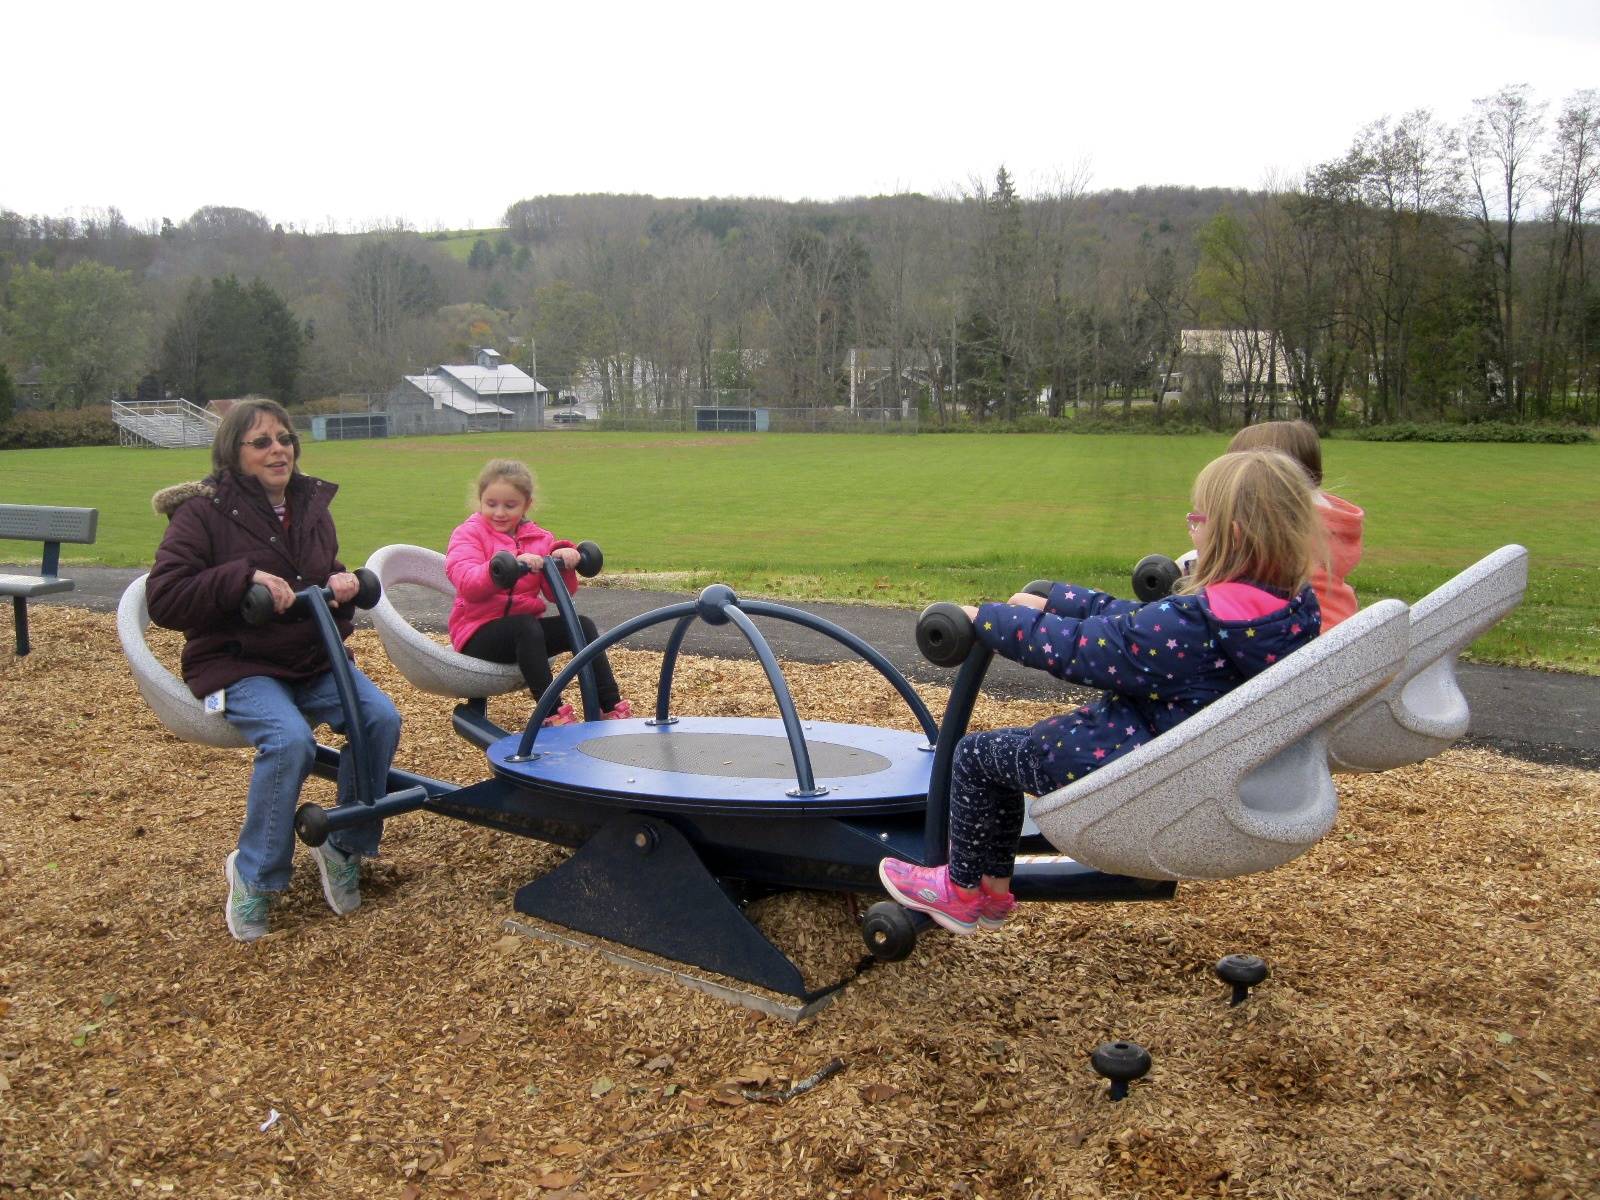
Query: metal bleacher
{"type": "Point", "coordinates": [165, 423]}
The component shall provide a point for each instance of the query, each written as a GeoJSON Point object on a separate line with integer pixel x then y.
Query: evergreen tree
{"type": "Point", "coordinates": [233, 340]}
{"type": "Point", "coordinates": [8, 395]}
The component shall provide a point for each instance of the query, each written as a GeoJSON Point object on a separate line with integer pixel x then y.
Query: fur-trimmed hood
{"type": "Point", "coordinates": [166, 501]}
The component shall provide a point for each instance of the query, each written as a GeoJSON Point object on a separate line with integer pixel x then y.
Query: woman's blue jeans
{"type": "Point", "coordinates": [277, 718]}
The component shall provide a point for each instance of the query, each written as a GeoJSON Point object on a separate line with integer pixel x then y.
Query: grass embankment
{"type": "Point", "coordinates": [908, 520]}
{"type": "Point", "coordinates": [458, 243]}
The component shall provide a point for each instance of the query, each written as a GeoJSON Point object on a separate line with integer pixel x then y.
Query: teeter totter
{"type": "Point", "coordinates": [677, 822]}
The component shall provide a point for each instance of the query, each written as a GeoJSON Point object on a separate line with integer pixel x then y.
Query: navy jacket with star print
{"type": "Point", "coordinates": [1157, 663]}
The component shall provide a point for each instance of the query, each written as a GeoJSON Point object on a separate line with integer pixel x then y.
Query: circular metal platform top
{"type": "Point", "coordinates": [724, 764]}
{"type": "Point", "coordinates": [730, 755]}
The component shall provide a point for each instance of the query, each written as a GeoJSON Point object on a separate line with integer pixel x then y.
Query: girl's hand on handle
{"type": "Point", "coordinates": [567, 557]}
{"type": "Point", "coordinates": [1026, 600]}
{"type": "Point", "coordinates": [971, 611]}
{"type": "Point", "coordinates": [534, 562]}
{"type": "Point", "coordinates": [344, 587]}
{"type": "Point", "coordinates": [282, 593]}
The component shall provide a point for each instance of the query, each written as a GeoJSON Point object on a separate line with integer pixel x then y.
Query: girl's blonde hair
{"type": "Point", "coordinates": [503, 470]}
{"type": "Point", "coordinates": [1297, 439]}
{"type": "Point", "coordinates": [1261, 522]}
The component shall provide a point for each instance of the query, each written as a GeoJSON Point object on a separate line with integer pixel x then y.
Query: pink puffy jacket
{"type": "Point", "coordinates": [478, 600]}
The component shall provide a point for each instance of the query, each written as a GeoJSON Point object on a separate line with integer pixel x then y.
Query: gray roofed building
{"type": "Point", "coordinates": [484, 395]}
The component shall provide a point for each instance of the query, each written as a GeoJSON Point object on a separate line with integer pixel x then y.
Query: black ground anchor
{"type": "Point", "coordinates": [1121, 1063]}
{"type": "Point", "coordinates": [1243, 971]}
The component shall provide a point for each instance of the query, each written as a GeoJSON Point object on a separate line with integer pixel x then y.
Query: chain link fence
{"type": "Point", "coordinates": [358, 415]}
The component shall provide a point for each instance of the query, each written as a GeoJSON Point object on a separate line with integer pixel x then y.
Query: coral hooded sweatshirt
{"type": "Point", "coordinates": [1343, 521]}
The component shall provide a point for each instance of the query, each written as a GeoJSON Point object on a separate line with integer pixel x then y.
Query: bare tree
{"type": "Point", "coordinates": [1502, 139]}
{"type": "Point", "coordinates": [1571, 173]}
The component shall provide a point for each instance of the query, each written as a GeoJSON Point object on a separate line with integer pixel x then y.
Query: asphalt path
{"type": "Point", "coordinates": [1541, 716]}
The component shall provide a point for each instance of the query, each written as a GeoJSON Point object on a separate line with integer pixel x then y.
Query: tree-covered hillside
{"type": "Point", "coordinates": [1431, 271]}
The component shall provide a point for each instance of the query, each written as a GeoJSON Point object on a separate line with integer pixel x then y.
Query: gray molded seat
{"type": "Point", "coordinates": [1241, 786]}
{"type": "Point", "coordinates": [168, 696]}
{"type": "Point", "coordinates": [430, 666]}
{"type": "Point", "coordinates": [1422, 710]}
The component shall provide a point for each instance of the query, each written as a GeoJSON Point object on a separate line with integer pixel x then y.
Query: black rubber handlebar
{"type": "Point", "coordinates": [257, 606]}
{"type": "Point", "coordinates": [1155, 577]}
{"type": "Point", "coordinates": [945, 634]}
{"type": "Point", "coordinates": [505, 568]}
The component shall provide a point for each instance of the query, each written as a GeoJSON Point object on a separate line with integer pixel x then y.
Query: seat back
{"type": "Point", "coordinates": [1422, 710]}
{"type": "Point", "coordinates": [1241, 786]}
{"type": "Point", "coordinates": [47, 523]}
{"type": "Point", "coordinates": [429, 666]}
{"type": "Point", "coordinates": [168, 696]}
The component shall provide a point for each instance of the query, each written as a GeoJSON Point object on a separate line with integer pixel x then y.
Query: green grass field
{"type": "Point", "coordinates": [459, 242]}
{"type": "Point", "coordinates": [906, 520]}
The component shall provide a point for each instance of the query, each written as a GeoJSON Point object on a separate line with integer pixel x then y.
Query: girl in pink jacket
{"type": "Point", "coordinates": [492, 623]}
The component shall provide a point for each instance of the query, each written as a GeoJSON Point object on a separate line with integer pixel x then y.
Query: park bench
{"type": "Point", "coordinates": [52, 526]}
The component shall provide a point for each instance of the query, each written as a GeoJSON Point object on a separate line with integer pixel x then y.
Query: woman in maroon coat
{"type": "Point", "coordinates": [257, 519]}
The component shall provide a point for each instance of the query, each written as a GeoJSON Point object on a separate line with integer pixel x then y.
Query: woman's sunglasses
{"type": "Point", "coordinates": [266, 439]}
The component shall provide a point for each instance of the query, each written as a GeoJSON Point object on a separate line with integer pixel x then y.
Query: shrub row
{"type": "Point", "coordinates": [1482, 431]}
{"type": "Point", "coordinates": [1083, 423]}
{"type": "Point", "coordinates": [50, 428]}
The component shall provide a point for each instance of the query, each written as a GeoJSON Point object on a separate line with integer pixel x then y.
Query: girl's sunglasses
{"type": "Point", "coordinates": [266, 439]}
{"type": "Point", "coordinates": [1195, 520]}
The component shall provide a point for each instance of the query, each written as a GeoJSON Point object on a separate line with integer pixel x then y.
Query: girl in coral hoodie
{"type": "Point", "coordinates": [1341, 520]}
{"type": "Point", "coordinates": [506, 626]}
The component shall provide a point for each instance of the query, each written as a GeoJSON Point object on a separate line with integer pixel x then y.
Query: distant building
{"type": "Point", "coordinates": [28, 388]}
{"type": "Point", "coordinates": [871, 370]}
{"type": "Point", "coordinates": [485, 395]}
{"type": "Point", "coordinates": [1242, 359]}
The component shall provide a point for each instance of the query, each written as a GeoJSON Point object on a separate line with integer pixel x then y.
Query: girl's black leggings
{"type": "Point", "coordinates": [988, 778]}
{"type": "Point", "coordinates": [530, 641]}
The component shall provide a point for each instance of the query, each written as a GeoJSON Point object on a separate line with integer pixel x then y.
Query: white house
{"type": "Point", "coordinates": [1243, 356]}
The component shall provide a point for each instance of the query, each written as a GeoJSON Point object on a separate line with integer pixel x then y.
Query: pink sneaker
{"type": "Point", "coordinates": [993, 910]}
{"type": "Point", "coordinates": [928, 890]}
{"type": "Point", "coordinates": [622, 712]}
{"type": "Point", "coordinates": [562, 716]}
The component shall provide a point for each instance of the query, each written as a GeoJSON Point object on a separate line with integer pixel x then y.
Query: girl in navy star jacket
{"type": "Point", "coordinates": [1245, 605]}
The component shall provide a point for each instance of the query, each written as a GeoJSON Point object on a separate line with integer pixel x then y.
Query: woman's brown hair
{"type": "Point", "coordinates": [1297, 439]}
{"type": "Point", "coordinates": [1261, 522]}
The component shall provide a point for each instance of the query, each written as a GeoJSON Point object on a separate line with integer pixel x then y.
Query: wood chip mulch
{"type": "Point", "coordinates": [1431, 1026]}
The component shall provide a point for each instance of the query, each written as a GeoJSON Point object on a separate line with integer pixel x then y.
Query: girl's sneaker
{"type": "Point", "coordinates": [562, 716]}
{"type": "Point", "coordinates": [929, 890]}
{"type": "Point", "coordinates": [621, 712]}
{"type": "Point", "coordinates": [993, 910]}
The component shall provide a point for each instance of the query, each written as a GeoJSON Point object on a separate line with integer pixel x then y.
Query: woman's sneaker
{"type": "Point", "coordinates": [993, 910]}
{"type": "Point", "coordinates": [929, 890]}
{"type": "Point", "coordinates": [562, 716]}
{"type": "Point", "coordinates": [622, 712]}
{"type": "Point", "coordinates": [247, 907]}
{"type": "Point", "coordinates": [341, 878]}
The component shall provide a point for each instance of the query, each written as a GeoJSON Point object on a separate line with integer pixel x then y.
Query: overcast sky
{"type": "Point", "coordinates": [344, 114]}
